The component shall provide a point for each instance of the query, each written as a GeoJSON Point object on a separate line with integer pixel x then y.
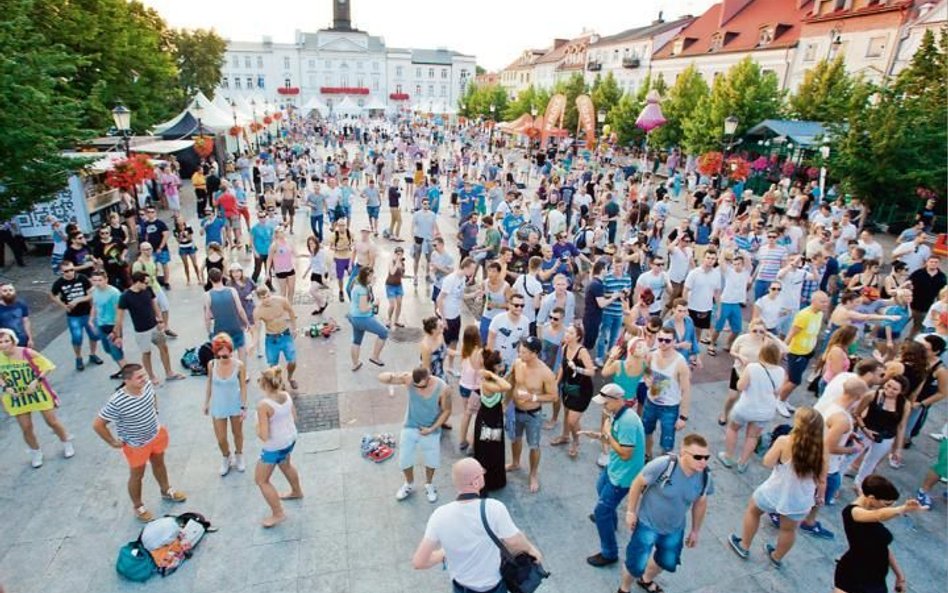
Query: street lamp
{"type": "Point", "coordinates": [198, 112]}
{"type": "Point", "coordinates": [253, 114]}
{"type": "Point", "coordinates": [601, 118]}
{"type": "Point", "coordinates": [730, 128]}
{"type": "Point", "coordinates": [233, 111]}
{"type": "Point", "coordinates": [490, 140]}
{"type": "Point", "coordinates": [825, 153]}
{"type": "Point", "coordinates": [122, 116]}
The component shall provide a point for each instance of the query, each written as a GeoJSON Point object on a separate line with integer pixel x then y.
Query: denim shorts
{"type": "Point", "coordinates": [163, 256]}
{"type": "Point", "coordinates": [110, 347]}
{"type": "Point", "coordinates": [361, 325]}
{"type": "Point", "coordinates": [529, 423]}
{"type": "Point", "coordinates": [730, 315]}
{"type": "Point", "coordinates": [393, 291]}
{"type": "Point", "coordinates": [277, 457]}
{"type": "Point", "coordinates": [429, 444]}
{"type": "Point", "coordinates": [189, 250]}
{"type": "Point", "coordinates": [654, 414]}
{"type": "Point", "coordinates": [373, 211]}
{"type": "Point", "coordinates": [237, 337]}
{"type": "Point", "coordinates": [276, 344]}
{"type": "Point", "coordinates": [667, 549]}
{"type": "Point", "coordinates": [76, 324]}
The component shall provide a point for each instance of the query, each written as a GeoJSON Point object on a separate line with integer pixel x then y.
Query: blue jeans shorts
{"type": "Point", "coordinates": [276, 344]}
{"type": "Point", "coordinates": [76, 324]}
{"type": "Point", "coordinates": [189, 250]}
{"type": "Point", "coordinates": [163, 256]}
{"type": "Point", "coordinates": [412, 441]}
{"type": "Point", "coordinates": [729, 315]}
{"type": "Point", "coordinates": [393, 291]}
{"type": "Point", "coordinates": [654, 414]}
{"type": "Point", "coordinates": [526, 422]}
{"type": "Point", "coordinates": [361, 325]}
{"type": "Point", "coordinates": [667, 549]}
{"type": "Point", "coordinates": [276, 457]}
{"type": "Point", "coordinates": [373, 211]}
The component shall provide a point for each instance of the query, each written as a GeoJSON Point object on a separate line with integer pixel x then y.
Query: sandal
{"type": "Point", "coordinates": [143, 514]}
{"type": "Point", "coordinates": [294, 385]}
{"type": "Point", "coordinates": [650, 586]}
{"type": "Point", "coordinates": [559, 441]}
{"type": "Point", "coordinates": [705, 341]}
{"type": "Point", "coordinates": [377, 363]}
{"type": "Point", "coordinates": [712, 351]}
{"type": "Point", "coordinates": [357, 367]}
{"type": "Point", "coordinates": [174, 496]}
{"type": "Point", "coordinates": [573, 450]}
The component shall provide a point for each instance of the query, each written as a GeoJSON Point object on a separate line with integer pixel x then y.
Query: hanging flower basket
{"type": "Point", "coordinates": [277, 116]}
{"type": "Point", "coordinates": [130, 172]}
{"type": "Point", "coordinates": [288, 90]}
{"type": "Point", "coordinates": [344, 90]}
{"type": "Point", "coordinates": [738, 168]}
{"type": "Point", "coordinates": [256, 127]}
{"type": "Point", "coordinates": [760, 164]}
{"type": "Point", "coordinates": [235, 131]}
{"type": "Point", "coordinates": [710, 163]}
{"type": "Point", "coordinates": [204, 146]}
{"type": "Point", "coordinates": [398, 96]}
{"type": "Point", "coordinates": [788, 169]}
{"type": "Point", "coordinates": [812, 173]}
{"type": "Point", "coordinates": [267, 120]}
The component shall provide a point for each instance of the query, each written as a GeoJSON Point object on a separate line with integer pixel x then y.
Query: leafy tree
{"type": "Point", "coordinates": [478, 70]}
{"type": "Point", "coordinates": [530, 98]}
{"type": "Point", "coordinates": [622, 117]}
{"type": "Point", "coordinates": [824, 94]}
{"type": "Point", "coordinates": [746, 93]}
{"type": "Point", "coordinates": [678, 106]}
{"type": "Point", "coordinates": [476, 101]}
{"type": "Point", "coordinates": [37, 120]}
{"type": "Point", "coordinates": [199, 55]}
{"type": "Point", "coordinates": [605, 93]}
{"type": "Point", "coordinates": [573, 87]}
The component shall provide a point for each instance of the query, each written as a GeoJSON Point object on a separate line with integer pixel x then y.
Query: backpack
{"type": "Point", "coordinates": [580, 239]}
{"type": "Point", "coordinates": [766, 440]}
{"type": "Point", "coordinates": [666, 475]}
{"type": "Point", "coordinates": [171, 546]}
{"type": "Point", "coordinates": [196, 359]}
{"type": "Point", "coordinates": [135, 563]}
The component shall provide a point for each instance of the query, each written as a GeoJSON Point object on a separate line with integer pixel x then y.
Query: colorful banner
{"type": "Point", "coordinates": [587, 118]}
{"type": "Point", "coordinates": [555, 110]}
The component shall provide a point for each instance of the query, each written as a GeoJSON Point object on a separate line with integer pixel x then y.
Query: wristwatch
{"type": "Point", "coordinates": [683, 417]}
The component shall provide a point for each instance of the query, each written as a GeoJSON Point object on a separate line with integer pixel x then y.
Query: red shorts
{"type": "Point", "coordinates": [139, 456]}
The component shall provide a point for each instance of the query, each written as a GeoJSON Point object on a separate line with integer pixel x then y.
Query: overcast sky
{"type": "Point", "coordinates": [493, 30]}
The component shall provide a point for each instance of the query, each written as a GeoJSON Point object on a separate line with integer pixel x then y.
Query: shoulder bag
{"type": "Point", "coordinates": [521, 573]}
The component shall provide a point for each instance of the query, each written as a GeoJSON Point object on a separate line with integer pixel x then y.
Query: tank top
{"type": "Point", "coordinates": [225, 388]}
{"type": "Point", "coordinates": [665, 386]}
{"type": "Point", "coordinates": [226, 318]}
{"type": "Point", "coordinates": [423, 411]}
{"type": "Point", "coordinates": [495, 298]}
{"type": "Point", "coordinates": [282, 258]}
{"type": "Point", "coordinates": [394, 277]}
{"type": "Point", "coordinates": [282, 427]}
{"type": "Point", "coordinates": [828, 411]}
{"type": "Point", "coordinates": [880, 420]}
{"type": "Point", "coordinates": [628, 383]}
{"type": "Point", "coordinates": [437, 361]}
{"type": "Point", "coordinates": [470, 378]}
{"type": "Point", "coordinates": [786, 491]}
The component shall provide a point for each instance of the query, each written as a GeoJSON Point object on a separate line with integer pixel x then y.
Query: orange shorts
{"type": "Point", "coordinates": [139, 456]}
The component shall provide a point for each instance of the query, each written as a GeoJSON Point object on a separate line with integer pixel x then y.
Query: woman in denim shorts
{"type": "Point", "coordinates": [362, 315]}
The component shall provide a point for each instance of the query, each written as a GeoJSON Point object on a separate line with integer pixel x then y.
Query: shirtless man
{"type": "Point", "coordinates": [533, 384]}
{"type": "Point", "coordinates": [363, 255]}
{"type": "Point", "coordinates": [279, 325]}
{"type": "Point", "coordinates": [288, 194]}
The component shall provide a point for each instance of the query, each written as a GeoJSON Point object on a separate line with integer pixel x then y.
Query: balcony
{"type": "Point", "coordinates": [594, 66]}
{"type": "Point", "coordinates": [343, 90]}
{"type": "Point", "coordinates": [398, 96]}
{"type": "Point", "coordinates": [630, 62]}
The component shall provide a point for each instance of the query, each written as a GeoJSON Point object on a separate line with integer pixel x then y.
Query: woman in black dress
{"type": "Point", "coordinates": [489, 423]}
{"type": "Point", "coordinates": [864, 566]}
{"type": "Point", "coordinates": [575, 378]}
{"type": "Point", "coordinates": [213, 259]}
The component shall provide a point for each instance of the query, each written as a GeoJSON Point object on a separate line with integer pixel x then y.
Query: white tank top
{"type": "Point", "coordinates": [827, 411]}
{"type": "Point", "coordinates": [665, 380]}
{"type": "Point", "coordinates": [788, 493]}
{"type": "Point", "coordinates": [282, 426]}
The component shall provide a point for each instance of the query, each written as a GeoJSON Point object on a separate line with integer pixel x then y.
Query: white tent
{"type": "Point", "coordinates": [347, 107]}
{"type": "Point", "coordinates": [200, 107]}
{"type": "Point", "coordinates": [314, 104]}
{"type": "Point", "coordinates": [224, 104]}
{"type": "Point", "coordinates": [376, 104]}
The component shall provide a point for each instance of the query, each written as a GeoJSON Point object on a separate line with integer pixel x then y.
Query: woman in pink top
{"type": "Point", "coordinates": [469, 383]}
{"type": "Point", "coordinates": [281, 263]}
{"type": "Point", "coordinates": [835, 359]}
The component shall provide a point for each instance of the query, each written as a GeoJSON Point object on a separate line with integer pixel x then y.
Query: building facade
{"type": "Point", "coordinates": [926, 16]}
{"type": "Point", "coordinates": [518, 76]}
{"type": "Point", "coordinates": [342, 61]}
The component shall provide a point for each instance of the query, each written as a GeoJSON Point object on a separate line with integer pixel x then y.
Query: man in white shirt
{"type": "Point", "coordinates": [656, 279]}
{"type": "Point", "coordinates": [531, 289]}
{"type": "Point", "coordinates": [702, 288]}
{"type": "Point", "coordinates": [736, 273]}
{"type": "Point", "coordinates": [913, 253]}
{"type": "Point", "coordinates": [556, 221]}
{"type": "Point", "coordinates": [449, 303]}
{"type": "Point", "coordinates": [680, 257]}
{"type": "Point", "coordinates": [507, 329]}
{"type": "Point", "coordinates": [456, 538]}
{"type": "Point", "coordinates": [872, 247]}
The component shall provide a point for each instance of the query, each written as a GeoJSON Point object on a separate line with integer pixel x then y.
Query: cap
{"type": "Point", "coordinates": [532, 343]}
{"type": "Point", "coordinates": [609, 391]}
{"type": "Point", "coordinates": [234, 267]}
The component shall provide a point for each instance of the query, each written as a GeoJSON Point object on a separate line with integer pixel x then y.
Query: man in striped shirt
{"type": "Point", "coordinates": [770, 259]}
{"type": "Point", "coordinates": [133, 409]}
{"type": "Point", "coordinates": [616, 282]}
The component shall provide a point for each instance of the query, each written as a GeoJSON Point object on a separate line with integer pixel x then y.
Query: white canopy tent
{"type": "Point", "coordinates": [314, 104]}
{"type": "Point", "coordinates": [212, 118]}
{"type": "Point", "coordinates": [347, 107]}
{"type": "Point", "coordinates": [224, 104]}
{"type": "Point", "coordinates": [376, 104]}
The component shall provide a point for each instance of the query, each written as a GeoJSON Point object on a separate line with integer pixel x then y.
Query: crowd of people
{"type": "Point", "coordinates": [549, 276]}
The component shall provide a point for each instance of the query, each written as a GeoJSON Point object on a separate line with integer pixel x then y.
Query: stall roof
{"type": "Point", "coordinates": [802, 133]}
{"type": "Point", "coordinates": [164, 146]}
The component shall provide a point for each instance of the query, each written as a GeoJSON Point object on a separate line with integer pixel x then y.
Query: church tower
{"type": "Point", "coordinates": [341, 20]}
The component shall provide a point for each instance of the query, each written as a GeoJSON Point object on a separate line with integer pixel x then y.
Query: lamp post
{"type": "Point", "coordinates": [601, 118]}
{"type": "Point", "coordinates": [122, 116]}
{"type": "Point", "coordinates": [490, 141]}
{"type": "Point", "coordinates": [198, 112]}
{"type": "Point", "coordinates": [233, 111]}
{"type": "Point", "coordinates": [253, 114]}
{"type": "Point", "coordinates": [825, 153]}
{"type": "Point", "coordinates": [730, 128]}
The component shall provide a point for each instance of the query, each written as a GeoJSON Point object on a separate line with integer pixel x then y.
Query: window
{"type": "Point", "coordinates": [417, 72]}
{"type": "Point", "coordinates": [430, 72]}
{"type": "Point", "coordinates": [444, 73]}
{"type": "Point", "coordinates": [444, 90]}
{"type": "Point", "coordinates": [312, 80]}
{"type": "Point", "coordinates": [765, 36]}
{"type": "Point", "coordinates": [236, 82]}
{"type": "Point", "coordinates": [361, 102]}
{"type": "Point", "coordinates": [286, 83]}
{"type": "Point", "coordinates": [344, 65]}
{"type": "Point", "coordinates": [236, 61]}
{"type": "Point", "coordinates": [431, 90]}
{"type": "Point", "coordinates": [717, 42]}
{"type": "Point", "coordinates": [417, 90]}
{"type": "Point", "coordinates": [259, 62]}
{"type": "Point", "coordinates": [398, 71]}
{"type": "Point", "coordinates": [678, 46]}
{"type": "Point", "coordinates": [360, 82]}
{"type": "Point", "coordinates": [359, 65]}
{"type": "Point", "coordinates": [375, 66]}
{"type": "Point", "coordinates": [247, 62]}
{"type": "Point", "coordinates": [810, 53]}
{"type": "Point", "coordinates": [344, 80]}
{"type": "Point", "coordinates": [876, 47]}
{"type": "Point", "coordinates": [261, 82]}
{"type": "Point", "coordinates": [286, 63]}
{"type": "Point", "coordinates": [328, 64]}
{"type": "Point", "coordinates": [375, 84]}
{"type": "Point", "coordinates": [312, 64]}
{"type": "Point", "coordinates": [249, 82]}
{"type": "Point", "coordinates": [225, 83]}
{"type": "Point", "coordinates": [398, 89]}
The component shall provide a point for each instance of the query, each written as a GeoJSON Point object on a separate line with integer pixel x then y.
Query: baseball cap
{"type": "Point", "coordinates": [532, 343]}
{"type": "Point", "coordinates": [609, 391]}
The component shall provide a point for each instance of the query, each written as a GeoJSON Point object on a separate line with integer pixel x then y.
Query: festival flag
{"type": "Point", "coordinates": [587, 118]}
{"type": "Point", "coordinates": [555, 110]}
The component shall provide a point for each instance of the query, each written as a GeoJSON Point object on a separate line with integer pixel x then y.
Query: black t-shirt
{"type": "Point", "coordinates": [72, 290]}
{"type": "Point", "coordinates": [154, 231]}
{"type": "Point", "coordinates": [78, 256]}
{"type": "Point", "coordinates": [393, 196]}
{"type": "Point", "coordinates": [592, 313]}
{"type": "Point", "coordinates": [925, 288]}
{"type": "Point", "coordinates": [140, 307]}
{"type": "Point", "coordinates": [866, 562]}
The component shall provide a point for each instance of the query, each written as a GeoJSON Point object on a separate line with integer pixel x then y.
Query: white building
{"type": "Point", "coordinates": [340, 62]}
{"type": "Point", "coordinates": [927, 16]}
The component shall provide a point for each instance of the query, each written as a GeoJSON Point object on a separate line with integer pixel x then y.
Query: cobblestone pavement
{"type": "Point", "coordinates": [65, 522]}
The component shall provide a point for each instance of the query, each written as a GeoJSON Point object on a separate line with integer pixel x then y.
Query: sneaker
{"type": "Point", "coordinates": [170, 333]}
{"type": "Point", "coordinates": [895, 463]}
{"type": "Point", "coordinates": [774, 519]}
{"type": "Point", "coordinates": [937, 436]}
{"type": "Point", "coordinates": [602, 460]}
{"type": "Point", "coordinates": [817, 530]}
{"type": "Point", "coordinates": [79, 365]}
{"type": "Point", "coordinates": [225, 466]}
{"type": "Point", "coordinates": [735, 543]}
{"type": "Point", "coordinates": [725, 461]}
{"type": "Point", "coordinates": [741, 468]}
{"type": "Point", "coordinates": [770, 549]}
{"type": "Point", "coordinates": [116, 375]}
{"type": "Point", "coordinates": [431, 493]}
{"type": "Point", "coordinates": [463, 446]}
{"type": "Point", "coordinates": [783, 409]}
{"type": "Point", "coordinates": [598, 560]}
{"type": "Point", "coordinates": [923, 498]}
{"type": "Point", "coordinates": [239, 462]}
{"type": "Point", "coordinates": [36, 458]}
{"type": "Point", "coordinates": [592, 517]}
{"type": "Point", "coordinates": [404, 491]}
{"type": "Point", "coordinates": [93, 359]}
{"type": "Point", "coordinates": [69, 450]}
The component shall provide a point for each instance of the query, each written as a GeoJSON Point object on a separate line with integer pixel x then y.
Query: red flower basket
{"type": "Point", "coordinates": [277, 116]}
{"type": "Point", "coordinates": [760, 164]}
{"type": "Point", "coordinates": [204, 146]}
{"type": "Point", "coordinates": [130, 172]}
{"type": "Point", "coordinates": [398, 96]}
{"type": "Point", "coordinates": [235, 131]}
{"type": "Point", "coordinates": [738, 168]}
{"type": "Point", "coordinates": [267, 120]}
{"type": "Point", "coordinates": [710, 163]}
{"type": "Point", "coordinates": [788, 169]}
{"type": "Point", "coordinates": [812, 173]}
{"type": "Point", "coordinates": [288, 90]}
{"type": "Point", "coordinates": [344, 90]}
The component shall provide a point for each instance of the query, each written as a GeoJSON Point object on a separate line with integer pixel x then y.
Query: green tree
{"type": "Point", "coordinates": [478, 70]}
{"type": "Point", "coordinates": [623, 115]}
{"type": "Point", "coordinates": [605, 93]}
{"type": "Point", "coordinates": [678, 106]}
{"type": "Point", "coordinates": [476, 101]}
{"type": "Point", "coordinates": [529, 98]}
{"type": "Point", "coordinates": [745, 92]}
{"type": "Point", "coordinates": [824, 94]}
{"type": "Point", "coordinates": [199, 54]}
{"type": "Point", "coordinates": [38, 119]}
{"type": "Point", "coordinates": [573, 87]}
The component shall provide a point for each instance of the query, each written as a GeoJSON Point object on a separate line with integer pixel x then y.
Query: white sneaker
{"type": "Point", "coordinates": [936, 436]}
{"type": "Point", "coordinates": [68, 449]}
{"type": "Point", "coordinates": [783, 409]}
{"type": "Point", "coordinates": [225, 466]}
{"type": "Point", "coordinates": [404, 491]}
{"type": "Point", "coordinates": [602, 460]}
{"type": "Point", "coordinates": [36, 458]}
{"type": "Point", "coordinates": [239, 462]}
{"type": "Point", "coordinates": [431, 493]}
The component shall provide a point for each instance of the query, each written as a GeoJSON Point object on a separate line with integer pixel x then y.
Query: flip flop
{"type": "Point", "coordinates": [650, 586]}
{"type": "Point", "coordinates": [377, 362]}
{"type": "Point", "coordinates": [357, 367]}
{"type": "Point", "coordinates": [174, 377]}
{"type": "Point", "coordinates": [294, 385]}
{"type": "Point", "coordinates": [143, 514]}
{"type": "Point", "coordinates": [559, 441]}
{"type": "Point", "coordinates": [712, 351]}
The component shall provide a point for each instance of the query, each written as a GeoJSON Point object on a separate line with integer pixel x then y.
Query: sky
{"type": "Point", "coordinates": [495, 31]}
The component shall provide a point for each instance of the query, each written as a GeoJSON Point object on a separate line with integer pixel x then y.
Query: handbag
{"type": "Point", "coordinates": [521, 573]}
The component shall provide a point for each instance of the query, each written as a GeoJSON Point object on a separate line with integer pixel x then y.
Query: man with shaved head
{"type": "Point", "coordinates": [456, 538]}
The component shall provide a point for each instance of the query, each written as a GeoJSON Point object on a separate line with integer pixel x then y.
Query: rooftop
{"type": "Point", "coordinates": [645, 32]}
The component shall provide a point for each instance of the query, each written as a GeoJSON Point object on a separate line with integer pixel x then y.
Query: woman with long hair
{"type": "Point", "coordinates": [835, 357]}
{"type": "Point", "coordinates": [187, 250]}
{"type": "Point", "coordinates": [281, 261]}
{"type": "Point", "coordinates": [214, 259]}
{"type": "Point", "coordinates": [797, 482]}
{"type": "Point", "coordinates": [432, 347]}
{"type": "Point", "coordinates": [363, 309]}
{"type": "Point", "coordinates": [394, 291]}
{"type": "Point", "coordinates": [226, 399]}
{"type": "Point", "coordinates": [276, 427]}
{"type": "Point", "coordinates": [469, 383]}
{"type": "Point", "coordinates": [881, 421]}
{"type": "Point", "coordinates": [576, 386]}
{"type": "Point", "coordinates": [245, 287]}
{"type": "Point", "coordinates": [318, 274]}
{"type": "Point", "coordinates": [489, 422]}
{"type": "Point", "coordinates": [755, 407]}
{"type": "Point", "coordinates": [745, 350]}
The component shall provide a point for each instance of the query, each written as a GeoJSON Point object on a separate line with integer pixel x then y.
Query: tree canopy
{"type": "Point", "coordinates": [199, 55]}
{"type": "Point", "coordinates": [825, 93]}
{"type": "Point", "coordinates": [678, 106]}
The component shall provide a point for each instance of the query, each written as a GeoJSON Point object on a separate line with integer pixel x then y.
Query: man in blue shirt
{"type": "Point", "coordinates": [212, 227]}
{"type": "Point", "coordinates": [618, 285]}
{"type": "Point", "coordinates": [15, 315]}
{"type": "Point", "coordinates": [261, 236]}
{"type": "Point", "coordinates": [467, 198]}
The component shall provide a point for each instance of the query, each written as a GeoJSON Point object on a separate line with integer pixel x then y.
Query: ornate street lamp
{"type": "Point", "coordinates": [122, 116]}
{"type": "Point", "coordinates": [825, 153]}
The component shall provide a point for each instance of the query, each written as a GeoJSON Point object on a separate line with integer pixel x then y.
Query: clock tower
{"type": "Point", "coordinates": [341, 20]}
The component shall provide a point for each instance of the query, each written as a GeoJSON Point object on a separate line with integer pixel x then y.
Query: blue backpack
{"type": "Point", "coordinates": [135, 562]}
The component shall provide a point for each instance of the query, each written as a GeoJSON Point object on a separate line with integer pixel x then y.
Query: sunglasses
{"type": "Point", "coordinates": [698, 457]}
{"type": "Point", "coordinates": [774, 288]}
{"type": "Point", "coordinates": [517, 305]}
{"type": "Point", "coordinates": [771, 236]}
{"type": "Point", "coordinates": [555, 318]}
{"type": "Point", "coordinates": [658, 263]}
{"type": "Point", "coordinates": [652, 331]}
{"type": "Point", "coordinates": [665, 340]}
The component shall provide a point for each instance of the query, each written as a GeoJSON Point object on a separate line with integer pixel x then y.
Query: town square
{"type": "Point", "coordinates": [352, 296]}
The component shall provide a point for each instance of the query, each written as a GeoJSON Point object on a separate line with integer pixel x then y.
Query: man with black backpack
{"type": "Point", "coordinates": [659, 499]}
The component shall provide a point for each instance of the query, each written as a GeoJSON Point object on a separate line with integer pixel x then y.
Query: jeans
{"type": "Point", "coordinates": [76, 324]}
{"type": "Point", "coordinates": [610, 497]}
{"type": "Point", "coordinates": [729, 315]}
{"type": "Point", "coordinates": [108, 345]}
{"type": "Point", "coordinates": [316, 224]}
{"type": "Point", "coordinates": [654, 414]}
{"type": "Point", "coordinates": [361, 325]}
{"type": "Point", "coordinates": [500, 587]}
{"type": "Point", "coordinates": [644, 538]}
{"type": "Point", "coordinates": [760, 288]}
{"type": "Point", "coordinates": [609, 331]}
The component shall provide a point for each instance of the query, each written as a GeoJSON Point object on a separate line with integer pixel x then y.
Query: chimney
{"type": "Point", "coordinates": [558, 43]}
{"type": "Point", "coordinates": [729, 8]}
{"type": "Point", "coordinates": [659, 20]}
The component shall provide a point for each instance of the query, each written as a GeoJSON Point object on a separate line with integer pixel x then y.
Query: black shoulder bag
{"type": "Point", "coordinates": [521, 573]}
